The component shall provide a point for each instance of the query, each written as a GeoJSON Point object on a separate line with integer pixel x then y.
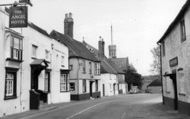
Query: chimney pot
{"type": "Point", "coordinates": [68, 25]}
{"type": "Point", "coordinates": [66, 15]}
{"type": "Point", "coordinates": [70, 15]}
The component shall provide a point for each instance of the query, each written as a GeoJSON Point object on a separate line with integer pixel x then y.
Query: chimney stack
{"type": "Point", "coordinates": [101, 44]}
{"type": "Point", "coordinates": [68, 25]}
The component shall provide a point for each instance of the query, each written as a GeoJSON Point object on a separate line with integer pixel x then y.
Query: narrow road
{"type": "Point", "coordinates": [135, 106]}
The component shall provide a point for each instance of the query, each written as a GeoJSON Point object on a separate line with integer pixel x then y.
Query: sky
{"type": "Point", "coordinates": [137, 24]}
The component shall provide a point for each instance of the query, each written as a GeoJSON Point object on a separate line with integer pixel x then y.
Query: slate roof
{"type": "Point", "coordinates": [37, 28]}
{"type": "Point", "coordinates": [107, 66]}
{"type": "Point", "coordinates": [176, 20]}
{"type": "Point", "coordinates": [121, 63]}
{"type": "Point", "coordinates": [156, 82]}
{"type": "Point", "coordinates": [76, 48]}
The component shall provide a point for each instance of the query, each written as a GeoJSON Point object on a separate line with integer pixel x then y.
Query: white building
{"type": "Point", "coordinates": [33, 66]}
{"type": "Point", "coordinates": [109, 79]}
{"type": "Point", "coordinates": [175, 62]}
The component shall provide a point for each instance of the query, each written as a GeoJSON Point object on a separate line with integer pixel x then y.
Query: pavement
{"type": "Point", "coordinates": [130, 106]}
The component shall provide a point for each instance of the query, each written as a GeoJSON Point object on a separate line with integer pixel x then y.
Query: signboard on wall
{"type": "Point", "coordinates": [18, 16]}
{"type": "Point", "coordinates": [173, 62]}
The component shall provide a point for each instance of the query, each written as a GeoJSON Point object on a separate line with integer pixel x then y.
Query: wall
{"type": "Point", "coordinates": [108, 80]}
{"type": "Point", "coordinates": [176, 48]}
{"type": "Point", "coordinates": [77, 76]}
{"type": "Point", "coordinates": [20, 103]}
{"type": "Point", "coordinates": [59, 50]}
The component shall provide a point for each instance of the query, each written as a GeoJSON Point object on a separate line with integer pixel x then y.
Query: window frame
{"type": "Point", "coordinates": [183, 30]}
{"type": "Point", "coordinates": [84, 67]}
{"type": "Point", "coordinates": [97, 68]}
{"type": "Point", "coordinates": [90, 67]}
{"type": "Point", "coordinates": [14, 88]}
{"type": "Point", "coordinates": [47, 54]}
{"type": "Point", "coordinates": [16, 52]}
{"type": "Point", "coordinates": [47, 81]}
{"type": "Point", "coordinates": [64, 82]}
{"type": "Point", "coordinates": [36, 48]}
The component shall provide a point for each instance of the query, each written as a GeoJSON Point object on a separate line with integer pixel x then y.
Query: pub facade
{"type": "Point", "coordinates": [175, 62]}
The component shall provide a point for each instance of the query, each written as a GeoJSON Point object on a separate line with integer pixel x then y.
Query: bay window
{"type": "Point", "coordinates": [16, 48]}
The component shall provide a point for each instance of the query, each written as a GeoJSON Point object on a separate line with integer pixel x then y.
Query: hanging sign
{"type": "Point", "coordinates": [18, 16]}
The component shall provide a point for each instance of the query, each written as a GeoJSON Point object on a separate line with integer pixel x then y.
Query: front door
{"type": "Point", "coordinates": [173, 77]}
{"type": "Point", "coordinates": [103, 88]}
{"type": "Point", "coordinates": [91, 88]}
{"type": "Point", "coordinates": [114, 89]}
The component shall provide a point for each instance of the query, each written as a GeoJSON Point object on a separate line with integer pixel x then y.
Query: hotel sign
{"type": "Point", "coordinates": [173, 62]}
{"type": "Point", "coordinates": [18, 16]}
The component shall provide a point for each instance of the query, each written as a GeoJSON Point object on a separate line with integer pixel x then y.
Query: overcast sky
{"type": "Point", "coordinates": [137, 24]}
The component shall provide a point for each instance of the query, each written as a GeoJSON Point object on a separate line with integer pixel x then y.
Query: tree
{"type": "Point", "coordinates": [132, 77]}
{"type": "Point", "coordinates": [155, 66]}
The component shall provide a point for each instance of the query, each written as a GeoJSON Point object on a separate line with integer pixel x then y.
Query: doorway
{"type": "Point", "coordinates": [173, 77]}
{"type": "Point", "coordinates": [103, 88]}
{"type": "Point", "coordinates": [91, 82]}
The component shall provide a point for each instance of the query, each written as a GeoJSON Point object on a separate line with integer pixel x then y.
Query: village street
{"type": "Point", "coordinates": [134, 106]}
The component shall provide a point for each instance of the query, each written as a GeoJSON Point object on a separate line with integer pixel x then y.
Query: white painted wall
{"type": "Point", "coordinates": [21, 102]}
{"type": "Point", "coordinates": [108, 80]}
{"type": "Point", "coordinates": [174, 47]}
{"type": "Point", "coordinates": [31, 36]}
{"type": "Point", "coordinates": [59, 50]}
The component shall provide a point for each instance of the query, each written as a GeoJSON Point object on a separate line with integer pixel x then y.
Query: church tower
{"type": "Point", "coordinates": [112, 47]}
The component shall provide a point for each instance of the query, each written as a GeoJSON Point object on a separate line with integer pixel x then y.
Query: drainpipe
{"type": "Point", "coordinates": [21, 76]}
{"type": "Point", "coordinates": [161, 74]}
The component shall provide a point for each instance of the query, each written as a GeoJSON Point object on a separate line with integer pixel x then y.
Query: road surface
{"type": "Point", "coordinates": [131, 106]}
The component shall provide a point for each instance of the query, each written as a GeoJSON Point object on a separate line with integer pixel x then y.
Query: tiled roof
{"type": "Point", "coordinates": [37, 28]}
{"type": "Point", "coordinates": [176, 20]}
{"type": "Point", "coordinates": [76, 48]}
{"type": "Point", "coordinates": [121, 63]}
{"type": "Point", "coordinates": [107, 66]}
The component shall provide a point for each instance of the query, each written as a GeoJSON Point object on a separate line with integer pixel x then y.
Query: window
{"type": "Point", "coordinates": [63, 82]}
{"type": "Point", "coordinates": [10, 84]}
{"type": "Point", "coordinates": [84, 67]}
{"type": "Point", "coordinates": [97, 68]}
{"type": "Point", "coordinates": [163, 49]}
{"type": "Point", "coordinates": [16, 48]}
{"type": "Point", "coordinates": [72, 86]}
{"type": "Point", "coordinates": [34, 51]}
{"type": "Point", "coordinates": [62, 60]}
{"type": "Point", "coordinates": [183, 32]}
{"type": "Point", "coordinates": [47, 81]}
{"type": "Point", "coordinates": [71, 67]}
{"type": "Point", "coordinates": [96, 82]}
{"type": "Point", "coordinates": [84, 85]}
{"type": "Point", "coordinates": [47, 55]}
{"type": "Point", "coordinates": [90, 67]}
